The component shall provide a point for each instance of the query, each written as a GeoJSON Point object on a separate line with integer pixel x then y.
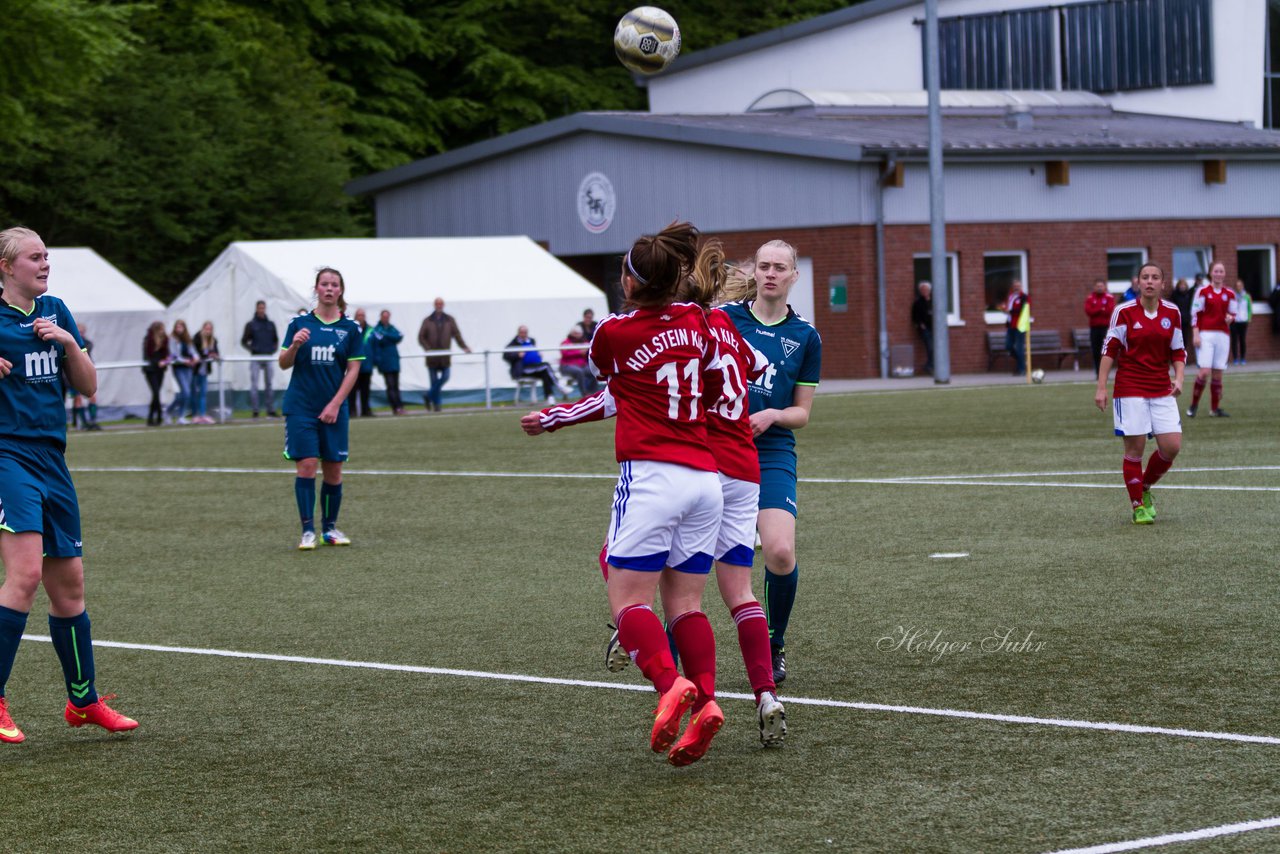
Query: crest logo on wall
{"type": "Point", "coordinates": [596, 202]}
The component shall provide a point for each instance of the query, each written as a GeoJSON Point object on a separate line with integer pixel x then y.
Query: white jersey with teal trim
{"type": "Point", "coordinates": [32, 396]}
{"type": "Point", "coordinates": [794, 350]}
{"type": "Point", "coordinates": [321, 363]}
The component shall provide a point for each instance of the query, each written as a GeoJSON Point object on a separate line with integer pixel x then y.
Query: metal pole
{"type": "Point", "coordinates": [881, 299]}
{"type": "Point", "coordinates": [937, 223]}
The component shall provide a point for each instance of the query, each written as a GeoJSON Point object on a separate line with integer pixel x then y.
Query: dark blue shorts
{"type": "Point", "coordinates": [778, 490]}
{"type": "Point", "coordinates": [36, 494]}
{"type": "Point", "coordinates": [307, 437]}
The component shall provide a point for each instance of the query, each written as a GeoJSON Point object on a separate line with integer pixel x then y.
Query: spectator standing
{"type": "Point", "coordinates": [182, 356]}
{"type": "Point", "coordinates": [922, 320]}
{"type": "Point", "coordinates": [261, 338]}
{"type": "Point", "coordinates": [155, 352]}
{"type": "Point", "coordinates": [573, 361]}
{"type": "Point", "coordinates": [588, 324]}
{"type": "Point", "coordinates": [529, 363]}
{"type": "Point", "coordinates": [206, 346]}
{"type": "Point", "coordinates": [1240, 326]}
{"type": "Point", "coordinates": [358, 400]}
{"type": "Point", "coordinates": [386, 354]}
{"type": "Point", "coordinates": [1131, 293]}
{"type": "Point", "coordinates": [1015, 340]}
{"type": "Point", "coordinates": [1098, 306]}
{"type": "Point", "coordinates": [437, 332]}
{"type": "Point", "coordinates": [87, 414]}
{"type": "Point", "coordinates": [1181, 297]}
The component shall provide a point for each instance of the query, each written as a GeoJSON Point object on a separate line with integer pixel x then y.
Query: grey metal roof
{"type": "Point", "coordinates": [858, 135]}
{"type": "Point", "coordinates": [820, 24]}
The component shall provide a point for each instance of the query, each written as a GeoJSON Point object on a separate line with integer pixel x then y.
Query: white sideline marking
{"type": "Point", "coordinates": [949, 555]}
{"type": "Point", "coordinates": [1171, 838]}
{"type": "Point", "coordinates": [921, 480]}
{"type": "Point", "coordinates": [587, 683]}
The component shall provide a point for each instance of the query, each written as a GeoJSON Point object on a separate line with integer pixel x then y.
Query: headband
{"type": "Point", "coordinates": [639, 278]}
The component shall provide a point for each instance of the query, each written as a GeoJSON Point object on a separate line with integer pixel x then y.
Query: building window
{"type": "Point", "coordinates": [923, 266]}
{"type": "Point", "coordinates": [1102, 46]}
{"type": "Point", "coordinates": [1122, 267]}
{"type": "Point", "coordinates": [999, 270]}
{"type": "Point", "coordinates": [1191, 261]}
{"type": "Point", "coordinates": [1256, 267]}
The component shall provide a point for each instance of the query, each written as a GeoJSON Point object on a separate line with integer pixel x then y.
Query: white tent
{"type": "Point", "coordinates": [491, 285]}
{"type": "Point", "coordinates": [115, 313]}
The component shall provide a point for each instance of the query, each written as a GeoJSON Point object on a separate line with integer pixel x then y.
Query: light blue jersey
{"type": "Point", "coordinates": [794, 350]}
{"type": "Point", "coordinates": [320, 363]}
{"type": "Point", "coordinates": [31, 397]}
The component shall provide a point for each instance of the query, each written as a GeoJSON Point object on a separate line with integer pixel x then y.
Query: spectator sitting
{"type": "Point", "coordinates": [573, 362]}
{"type": "Point", "coordinates": [529, 363]}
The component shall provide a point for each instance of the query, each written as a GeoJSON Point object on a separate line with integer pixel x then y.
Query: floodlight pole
{"type": "Point", "coordinates": [937, 216]}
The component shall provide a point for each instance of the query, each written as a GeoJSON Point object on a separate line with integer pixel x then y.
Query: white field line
{"type": "Point", "coordinates": [1172, 838]}
{"type": "Point", "coordinates": [616, 686]}
{"type": "Point", "coordinates": [922, 480]}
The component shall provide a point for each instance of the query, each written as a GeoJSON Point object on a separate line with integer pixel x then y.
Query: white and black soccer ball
{"type": "Point", "coordinates": [1037, 376]}
{"type": "Point", "coordinates": [646, 40]}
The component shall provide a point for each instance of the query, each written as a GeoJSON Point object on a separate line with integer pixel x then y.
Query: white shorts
{"type": "Point", "coordinates": [1214, 349]}
{"type": "Point", "coordinates": [735, 544]}
{"type": "Point", "coordinates": [1146, 416]}
{"type": "Point", "coordinates": [664, 515]}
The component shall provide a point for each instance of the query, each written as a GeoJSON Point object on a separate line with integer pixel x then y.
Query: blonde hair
{"type": "Point", "coordinates": [10, 240]}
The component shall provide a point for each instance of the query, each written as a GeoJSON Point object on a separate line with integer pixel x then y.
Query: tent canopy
{"type": "Point", "coordinates": [491, 285]}
{"type": "Point", "coordinates": [115, 313]}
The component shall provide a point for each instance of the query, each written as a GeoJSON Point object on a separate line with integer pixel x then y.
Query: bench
{"type": "Point", "coordinates": [1082, 340]}
{"type": "Point", "coordinates": [1043, 342]}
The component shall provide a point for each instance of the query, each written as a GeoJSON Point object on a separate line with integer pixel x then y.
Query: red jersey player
{"type": "Point", "coordinates": [1212, 309]}
{"type": "Point", "coordinates": [1144, 339]}
{"type": "Point", "coordinates": [659, 360]}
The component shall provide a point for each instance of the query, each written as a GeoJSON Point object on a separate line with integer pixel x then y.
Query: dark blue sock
{"type": "Point", "coordinates": [11, 625]}
{"type": "Point", "coordinates": [779, 596]}
{"type": "Point", "coordinates": [74, 645]}
{"type": "Point", "coordinates": [330, 504]}
{"type": "Point", "coordinates": [304, 489]}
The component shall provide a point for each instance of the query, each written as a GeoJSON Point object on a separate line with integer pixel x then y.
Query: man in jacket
{"type": "Point", "coordinates": [261, 339]}
{"type": "Point", "coordinates": [437, 332]}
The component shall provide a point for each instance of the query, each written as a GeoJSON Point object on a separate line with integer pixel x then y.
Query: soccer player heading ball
{"type": "Point", "coordinates": [660, 362]}
{"type": "Point", "coordinates": [40, 537]}
{"type": "Point", "coordinates": [1144, 339]}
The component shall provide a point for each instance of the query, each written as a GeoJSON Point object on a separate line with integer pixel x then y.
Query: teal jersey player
{"type": "Point", "coordinates": [794, 350]}
{"type": "Point", "coordinates": [321, 362]}
{"type": "Point", "coordinates": [33, 406]}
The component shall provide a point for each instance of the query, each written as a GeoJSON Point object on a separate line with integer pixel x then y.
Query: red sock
{"type": "Point", "coordinates": [1132, 480]}
{"type": "Point", "coordinates": [753, 638]}
{"type": "Point", "coordinates": [1215, 392]}
{"type": "Point", "coordinates": [1156, 467]}
{"type": "Point", "coordinates": [1197, 391]}
{"type": "Point", "coordinates": [697, 645]}
{"type": "Point", "coordinates": [640, 632]}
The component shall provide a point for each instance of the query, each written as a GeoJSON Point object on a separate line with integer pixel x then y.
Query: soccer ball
{"type": "Point", "coordinates": [1037, 376]}
{"type": "Point", "coordinates": [646, 39]}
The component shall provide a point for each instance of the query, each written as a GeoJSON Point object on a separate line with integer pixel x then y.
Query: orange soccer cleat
{"type": "Point", "coordinates": [703, 727]}
{"type": "Point", "coordinates": [8, 729]}
{"type": "Point", "coordinates": [671, 709]}
{"type": "Point", "coordinates": [99, 714]}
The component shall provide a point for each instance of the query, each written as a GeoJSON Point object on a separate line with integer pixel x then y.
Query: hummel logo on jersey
{"type": "Point", "coordinates": [666, 317]}
{"type": "Point", "coordinates": [789, 346]}
{"type": "Point", "coordinates": [323, 354]}
{"type": "Point", "coordinates": [26, 325]}
{"type": "Point", "coordinates": [42, 366]}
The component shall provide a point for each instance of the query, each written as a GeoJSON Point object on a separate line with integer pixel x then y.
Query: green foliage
{"type": "Point", "coordinates": [158, 132]}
